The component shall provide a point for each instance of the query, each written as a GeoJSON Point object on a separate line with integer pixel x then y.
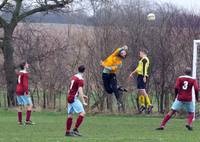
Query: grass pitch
{"type": "Point", "coordinates": [50, 128]}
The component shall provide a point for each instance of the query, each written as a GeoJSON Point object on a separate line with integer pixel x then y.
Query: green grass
{"type": "Point", "coordinates": [50, 128]}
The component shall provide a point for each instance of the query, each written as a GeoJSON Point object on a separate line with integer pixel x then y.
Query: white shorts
{"type": "Point", "coordinates": [24, 100]}
{"type": "Point", "coordinates": [75, 107]}
{"type": "Point", "coordinates": [189, 106]}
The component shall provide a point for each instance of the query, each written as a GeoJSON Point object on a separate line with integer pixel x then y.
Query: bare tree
{"type": "Point", "coordinates": [17, 10]}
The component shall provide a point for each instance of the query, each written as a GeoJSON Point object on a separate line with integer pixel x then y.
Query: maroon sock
{"type": "Point", "coordinates": [190, 118]}
{"type": "Point", "coordinates": [165, 120]}
{"type": "Point", "coordinates": [20, 117]}
{"type": "Point", "coordinates": [68, 124]}
{"type": "Point", "coordinates": [28, 115]}
{"type": "Point", "coordinates": [79, 121]}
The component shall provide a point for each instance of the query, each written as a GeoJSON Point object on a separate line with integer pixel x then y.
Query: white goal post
{"type": "Point", "coordinates": [196, 47]}
{"type": "Point", "coordinates": [196, 64]}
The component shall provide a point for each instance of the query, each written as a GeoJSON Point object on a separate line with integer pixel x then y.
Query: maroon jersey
{"type": "Point", "coordinates": [22, 83]}
{"type": "Point", "coordinates": [76, 82]}
{"type": "Point", "coordinates": [184, 85]}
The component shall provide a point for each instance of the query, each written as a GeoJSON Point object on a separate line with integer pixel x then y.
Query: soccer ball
{"type": "Point", "coordinates": [151, 17]}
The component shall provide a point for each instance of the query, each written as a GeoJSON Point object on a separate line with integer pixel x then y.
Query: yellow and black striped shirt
{"type": "Point", "coordinates": [143, 66]}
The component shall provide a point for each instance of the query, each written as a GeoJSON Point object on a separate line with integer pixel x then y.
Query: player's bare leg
{"type": "Point", "coordinates": [78, 123]}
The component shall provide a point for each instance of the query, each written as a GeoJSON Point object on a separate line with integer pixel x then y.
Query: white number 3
{"type": "Point", "coordinates": [185, 85]}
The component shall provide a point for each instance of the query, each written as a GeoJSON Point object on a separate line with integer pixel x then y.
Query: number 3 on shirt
{"type": "Point", "coordinates": [185, 85]}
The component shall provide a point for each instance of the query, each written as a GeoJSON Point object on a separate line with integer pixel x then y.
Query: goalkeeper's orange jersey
{"type": "Point", "coordinates": [112, 63]}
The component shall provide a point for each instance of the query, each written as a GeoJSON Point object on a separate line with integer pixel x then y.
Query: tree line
{"type": "Point", "coordinates": [54, 51]}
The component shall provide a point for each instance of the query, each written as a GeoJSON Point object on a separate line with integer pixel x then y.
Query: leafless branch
{"type": "Point", "coordinates": [3, 4]}
{"type": "Point", "coordinates": [45, 7]}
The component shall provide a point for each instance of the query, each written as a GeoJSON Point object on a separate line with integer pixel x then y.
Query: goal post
{"type": "Point", "coordinates": [196, 47]}
{"type": "Point", "coordinates": [196, 67]}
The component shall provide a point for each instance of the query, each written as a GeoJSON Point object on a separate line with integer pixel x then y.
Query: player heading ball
{"type": "Point", "coordinates": [142, 77]}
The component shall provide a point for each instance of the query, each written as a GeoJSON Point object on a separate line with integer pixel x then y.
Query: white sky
{"type": "Point", "coordinates": [191, 5]}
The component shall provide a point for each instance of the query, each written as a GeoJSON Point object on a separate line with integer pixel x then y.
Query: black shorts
{"type": "Point", "coordinates": [140, 82]}
{"type": "Point", "coordinates": [109, 82]}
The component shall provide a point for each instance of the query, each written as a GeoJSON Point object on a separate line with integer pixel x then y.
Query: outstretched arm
{"type": "Point", "coordinates": [132, 73]}
{"type": "Point", "coordinates": [116, 52]}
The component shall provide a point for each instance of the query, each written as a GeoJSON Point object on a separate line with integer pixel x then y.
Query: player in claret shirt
{"type": "Point", "coordinates": [74, 105]}
{"type": "Point", "coordinates": [23, 98]}
{"type": "Point", "coordinates": [183, 91]}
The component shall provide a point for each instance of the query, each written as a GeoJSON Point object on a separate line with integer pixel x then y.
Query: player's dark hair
{"type": "Point", "coordinates": [144, 50]}
{"type": "Point", "coordinates": [120, 54]}
{"type": "Point", "coordinates": [22, 65]}
{"type": "Point", "coordinates": [81, 69]}
{"type": "Point", "coordinates": [188, 71]}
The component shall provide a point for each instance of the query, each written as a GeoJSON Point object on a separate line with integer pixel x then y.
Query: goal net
{"type": "Point", "coordinates": [196, 69]}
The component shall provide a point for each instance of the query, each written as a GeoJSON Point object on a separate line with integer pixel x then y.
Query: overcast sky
{"type": "Point", "coordinates": [187, 4]}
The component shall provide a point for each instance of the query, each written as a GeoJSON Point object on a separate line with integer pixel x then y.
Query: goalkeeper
{"type": "Point", "coordinates": [111, 65]}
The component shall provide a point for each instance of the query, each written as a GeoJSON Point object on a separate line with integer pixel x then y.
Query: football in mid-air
{"type": "Point", "coordinates": [151, 17]}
